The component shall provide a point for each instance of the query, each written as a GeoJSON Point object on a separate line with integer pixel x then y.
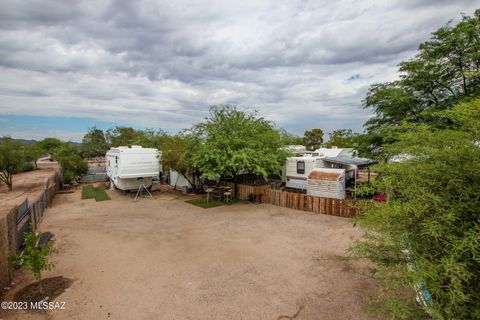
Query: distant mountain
{"type": "Point", "coordinates": [26, 141]}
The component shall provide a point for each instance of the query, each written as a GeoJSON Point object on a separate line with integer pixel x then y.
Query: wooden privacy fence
{"type": "Point", "coordinates": [21, 219]}
{"type": "Point", "coordinates": [244, 190]}
{"type": "Point", "coordinates": [29, 213]}
{"type": "Point", "coordinates": [298, 201]}
{"type": "Point", "coordinates": [292, 200]}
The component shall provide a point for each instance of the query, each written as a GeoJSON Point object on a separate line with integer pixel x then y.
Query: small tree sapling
{"type": "Point", "coordinates": [34, 258]}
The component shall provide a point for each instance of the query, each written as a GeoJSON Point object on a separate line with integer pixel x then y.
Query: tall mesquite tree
{"type": "Point", "coordinates": [122, 136]}
{"type": "Point", "coordinates": [445, 71]}
{"type": "Point", "coordinates": [313, 139]}
{"type": "Point", "coordinates": [231, 140]}
{"type": "Point", "coordinates": [428, 234]}
{"type": "Point", "coordinates": [177, 154]}
{"type": "Point", "coordinates": [12, 159]}
{"type": "Point", "coordinates": [94, 143]}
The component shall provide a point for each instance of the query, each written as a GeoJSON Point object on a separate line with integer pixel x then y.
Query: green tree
{"type": "Point", "coordinates": [369, 144]}
{"type": "Point", "coordinates": [34, 258]}
{"type": "Point", "coordinates": [12, 159]}
{"type": "Point", "coordinates": [445, 71]}
{"type": "Point", "coordinates": [391, 103]}
{"type": "Point", "coordinates": [428, 232]}
{"type": "Point", "coordinates": [122, 136]}
{"type": "Point", "coordinates": [150, 138]}
{"type": "Point", "coordinates": [32, 152]}
{"type": "Point", "coordinates": [177, 154]}
{"type": "Point", "coordinates": [48, 145]}
{"type": "Point", "coordinates": [313, 139]}
{"type": "Point", "coordinates": [94, 143]}
{"type": "Point", "coordinates": [72, 164]}
{"type": "Point", "coordinates": [342, 138]}
{"type": "Point", "coordinates": [290, 139]}
{"type": "Point", "coordinates": [230, 140]}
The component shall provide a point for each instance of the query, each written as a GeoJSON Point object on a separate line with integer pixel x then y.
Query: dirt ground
{"type": "Point", "coordinates": [163, 258]}
{"type": "Point", "coordinates": [26, 184]}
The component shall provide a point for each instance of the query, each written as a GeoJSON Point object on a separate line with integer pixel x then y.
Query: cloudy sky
{"type": "Point", "coordinates": [68, 65]}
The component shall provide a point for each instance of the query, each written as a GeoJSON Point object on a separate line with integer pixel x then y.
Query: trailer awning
{"type": "Point", "coordinates": [350, 161]}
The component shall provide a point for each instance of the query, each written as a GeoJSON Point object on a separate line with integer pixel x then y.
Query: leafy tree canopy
{"type": "Point", "coordinates": [48, 145]}
{"type": "Point", "coordinates": [94, 143]}
{"type": "Point", "coordinates": [122, 136]}
{"type": "Point", "coordinates": [433, 213]}
{"type": "Point", "coordinates": [177, 154]}
{"type": "Point", "coordinates": [12, 158]}
{"type": "Point", "coordinates": [151, 138]}
{"type": "Point", "coordinates": [34, 258]}
{"type": "Point", "coordinates": [231, 140]}
{"type": "Point", "coordinates": [342, 138]}
{"type": "Point", "coordinates": [445, 71]}
{"type": "Point", "coordinates": [290, 139]}
{"type": "Point", "coordinates": [313, 139]}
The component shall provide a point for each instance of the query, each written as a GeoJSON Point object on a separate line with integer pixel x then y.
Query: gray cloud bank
{"type": "Point", "coordinates": [303, 64]}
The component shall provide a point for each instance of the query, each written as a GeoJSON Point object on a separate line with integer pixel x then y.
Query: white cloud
{"type": "Point", "coordinates": [163, 63]}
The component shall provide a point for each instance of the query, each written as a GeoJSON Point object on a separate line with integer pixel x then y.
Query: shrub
{"type": "Point", "coordinates": [68, 176]}
{"type": "Point", "coordinates": [72, 167]}
{"type": "Point", "coordinates": [34, 258]}
{"type": "Point", "coordinates": [27, 166]}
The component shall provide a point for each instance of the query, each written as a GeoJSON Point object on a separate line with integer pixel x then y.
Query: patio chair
{"type": "Point", "coordinates": [227, 195]}
{"type": "Point", "coordinates": [208, 190]}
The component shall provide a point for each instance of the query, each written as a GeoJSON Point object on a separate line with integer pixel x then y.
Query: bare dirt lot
{"type": "Point", "coordinates": [26, 184]}
{"type": "Point", "coordinates": [163, 258]}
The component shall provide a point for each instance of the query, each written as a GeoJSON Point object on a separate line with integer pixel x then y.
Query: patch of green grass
{"type": "Point", "coordinates": [88, 192]}
{"type": "Point", "coordinates": [100, 194]}
{"type": "Point", "coordinates": [202, 203]}
{"type": "Point", "coordinates": [97, 193]}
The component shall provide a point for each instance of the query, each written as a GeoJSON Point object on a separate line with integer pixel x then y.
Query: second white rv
{"type": "Point", "coordinates": [297, 169]}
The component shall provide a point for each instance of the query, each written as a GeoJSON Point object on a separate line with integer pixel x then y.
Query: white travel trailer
{"type": "Point", "coordinates": [297, 169]}
{"type": "Point", "coordinates": [126, 167]}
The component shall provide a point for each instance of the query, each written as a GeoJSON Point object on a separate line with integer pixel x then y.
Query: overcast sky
{"type": "Point", "coordinates": [67, 65]}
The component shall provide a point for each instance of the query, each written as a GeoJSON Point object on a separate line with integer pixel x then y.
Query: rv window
{"type": "Point", "coordinates": [301, 167]}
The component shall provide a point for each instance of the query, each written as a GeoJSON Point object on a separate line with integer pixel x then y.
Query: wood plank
{"type": "Point", "coordinates": [316, 205]}
{"type": "Point", "coordinates": [292, 200]}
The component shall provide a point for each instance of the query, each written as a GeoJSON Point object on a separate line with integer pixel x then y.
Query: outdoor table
{"type": "Point", "coordinates": [220, 191]}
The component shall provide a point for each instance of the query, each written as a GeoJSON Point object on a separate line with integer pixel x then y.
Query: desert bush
{"type": "Point", "coordinates": [34, 258]}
